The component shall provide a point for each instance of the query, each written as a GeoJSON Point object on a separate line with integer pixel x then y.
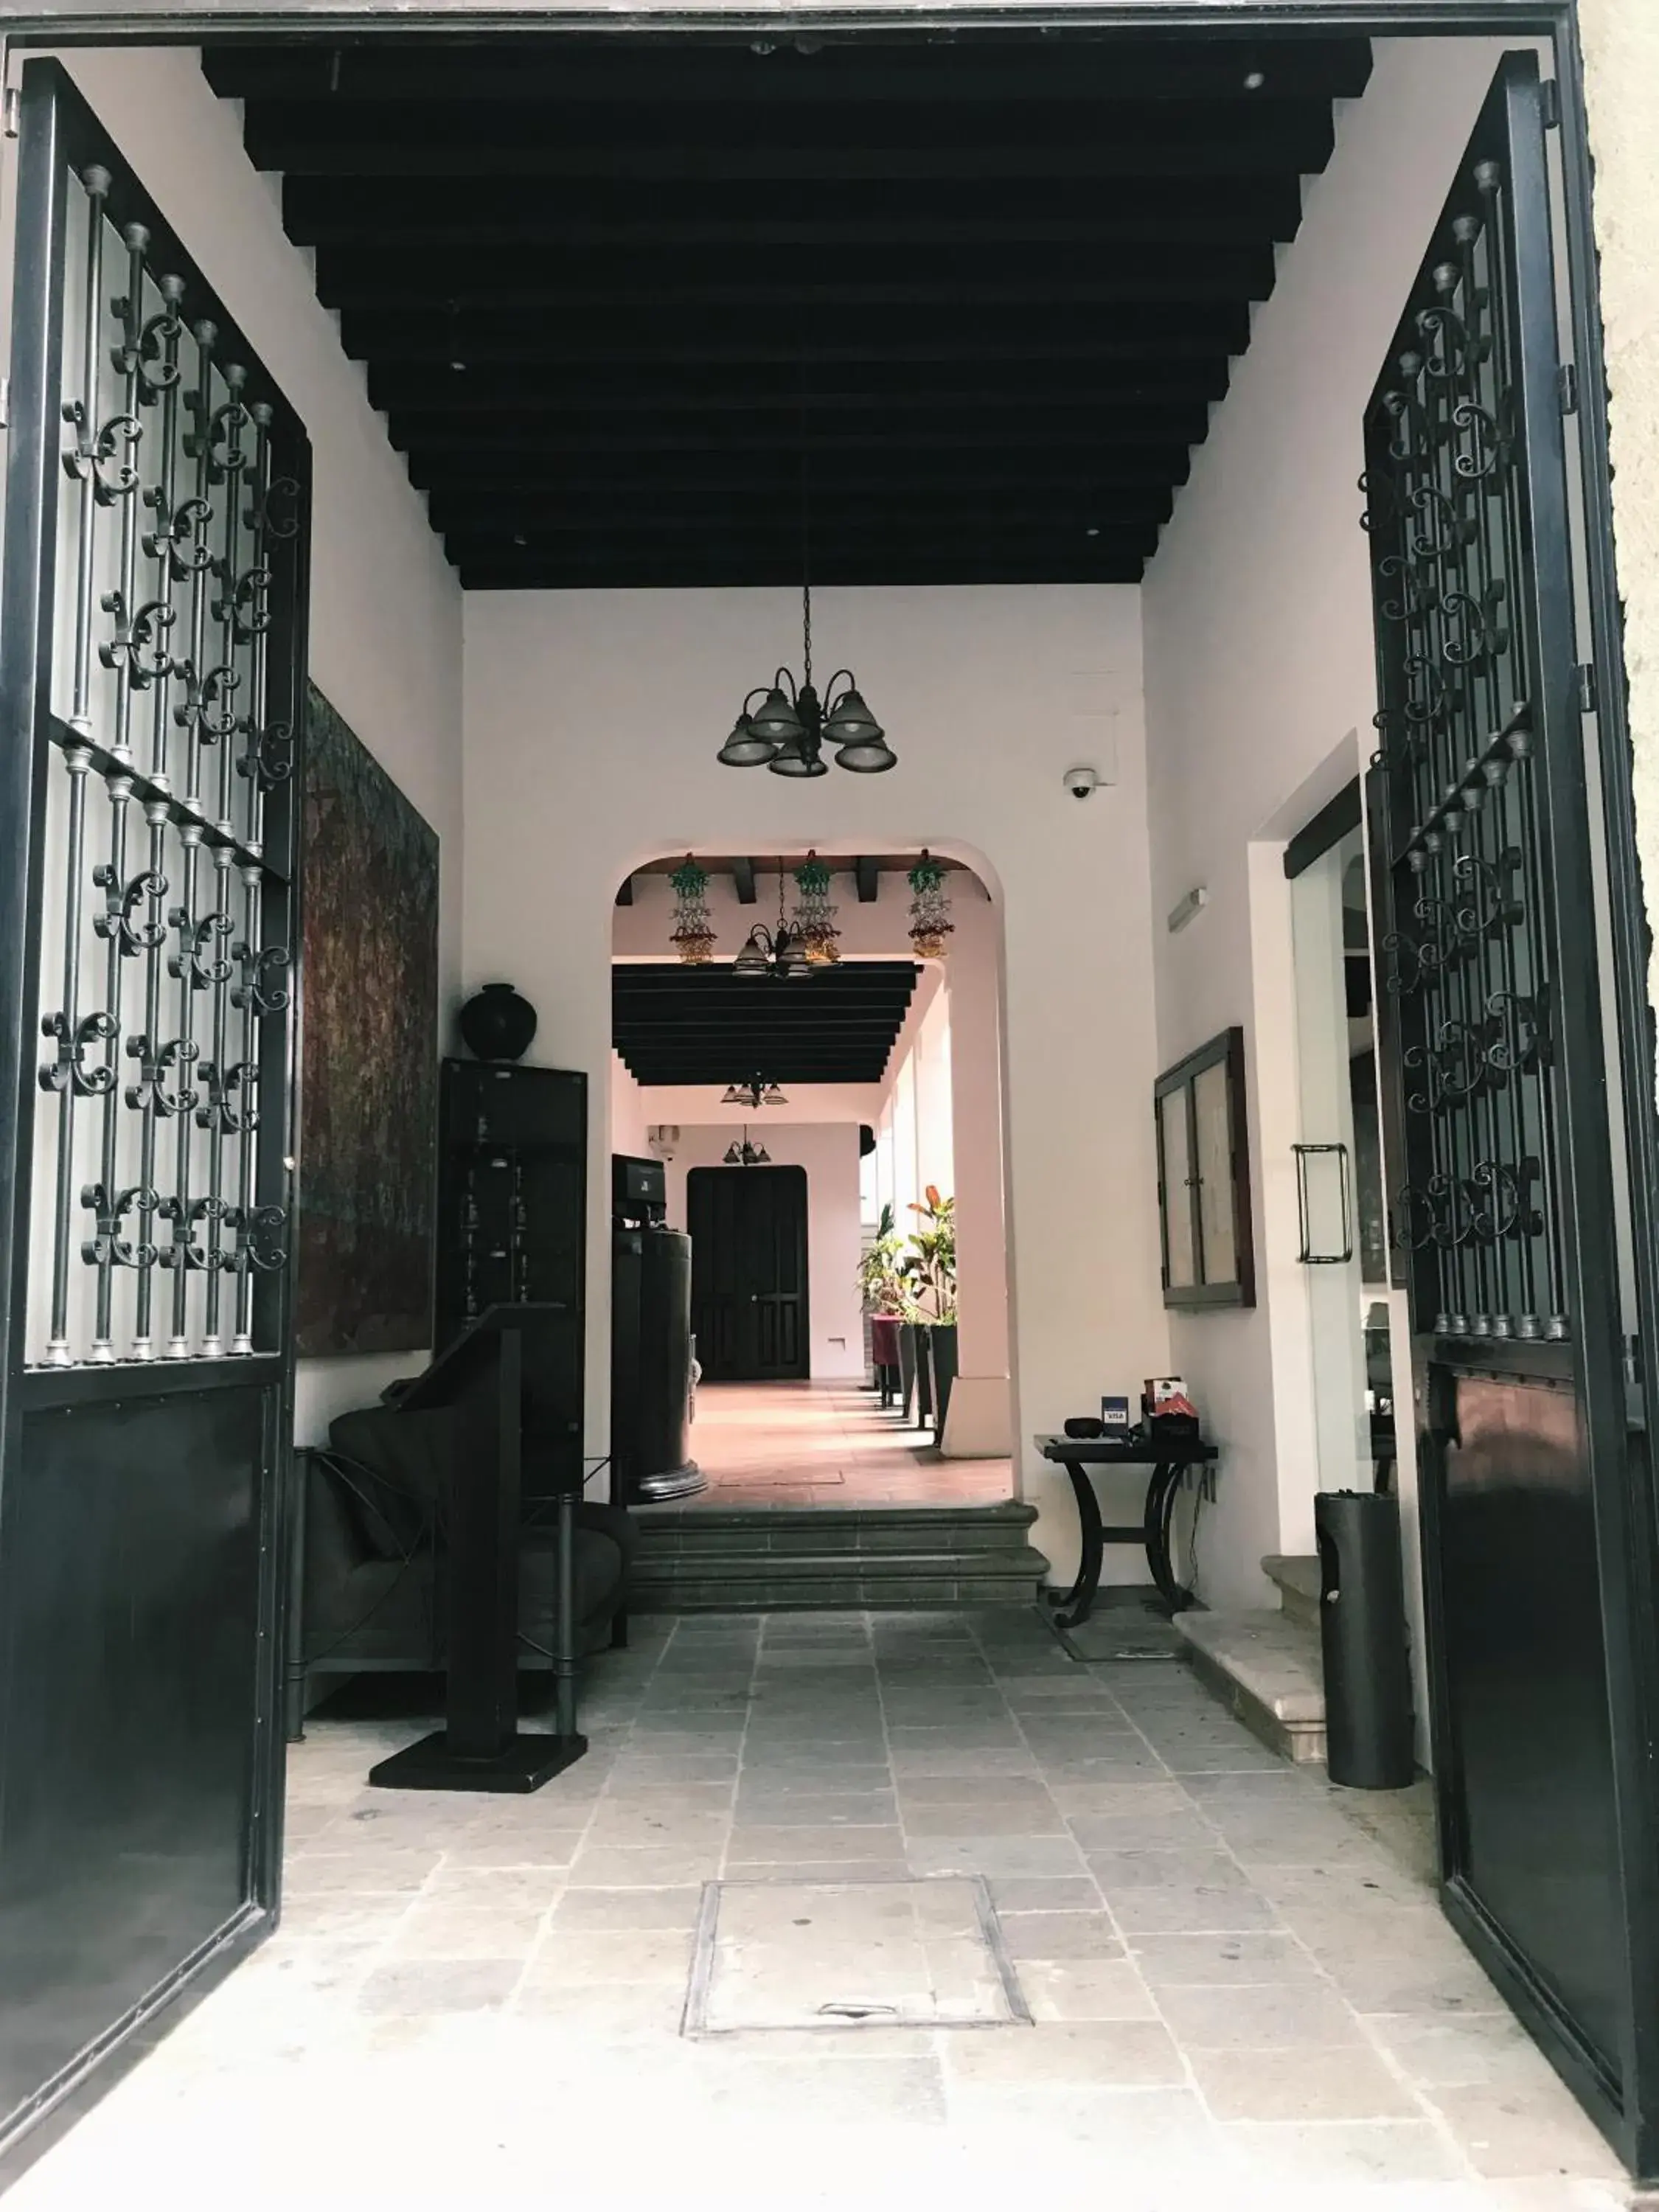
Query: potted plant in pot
{"type": "Point", "coordinates": [882, 1287]}
{"type": "Point", "coordinates": [930, 1270]}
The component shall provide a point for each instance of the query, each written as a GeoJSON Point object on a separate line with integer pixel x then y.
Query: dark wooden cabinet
{"type": "Point", "coordinates": [749, 1297]}
{"type": "Point", "coordinates": [512, 1221]}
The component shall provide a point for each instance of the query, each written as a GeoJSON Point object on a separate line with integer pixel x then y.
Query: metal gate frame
{"type": "Point", "coordinates": [63, 139]}
{"type": "Point", "coordinates": [1628, 1525]}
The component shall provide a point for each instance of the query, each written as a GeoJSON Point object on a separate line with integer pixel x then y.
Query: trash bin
{"type": "Point", "coordinates": [1362, 1621]}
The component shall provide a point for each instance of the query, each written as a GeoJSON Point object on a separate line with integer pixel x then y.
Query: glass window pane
{"type": "Point", "coordinates": [1215, 1175]}
{"type": "Point", "coordinates": [1178, 1197]}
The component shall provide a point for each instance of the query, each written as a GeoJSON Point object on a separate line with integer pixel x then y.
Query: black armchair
{"type": "Point", "coordinates": [368, 1589]}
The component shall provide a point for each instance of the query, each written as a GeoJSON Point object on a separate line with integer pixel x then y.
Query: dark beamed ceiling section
{"type": "Point", "coordinates": [620, 295]}
{"type": "Point", "coordinates": [674, 1025]}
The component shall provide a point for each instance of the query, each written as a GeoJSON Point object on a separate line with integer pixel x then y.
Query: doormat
{"type": "Point", "coordinates": [850, 1955]}
{"type": "Point", "coordinates": [1124, 1626]}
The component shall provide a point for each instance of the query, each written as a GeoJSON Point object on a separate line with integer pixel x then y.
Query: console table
{"type": "Point", "coordinates": [1169, 1461]}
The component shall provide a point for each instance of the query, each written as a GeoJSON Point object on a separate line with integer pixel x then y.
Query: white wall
{"type": "Point", "coordinates": [1260, 691]}
{"type": "Point", "coordinates": [830, 1153]}
{"type": "Point", "coordinates": [592, 720]}
{"type": "Point", "coordinates": [386, 608]}
{"type": "Point", "coordinates": [631, 1114]}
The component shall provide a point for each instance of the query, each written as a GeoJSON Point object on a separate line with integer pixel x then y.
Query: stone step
{"type": "Point", "coordinates": [753, 1558]}
{"type": "Point", "coordinates": [1265, 1667]}
{"type": "Point", "coordinates": [1298, 1576]}
{"type": "Point", "coordinates": [741, 1530]}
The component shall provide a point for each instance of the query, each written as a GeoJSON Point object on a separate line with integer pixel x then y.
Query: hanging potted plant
{"type": "Point", "coordinates": [881, 1286]}
{"type": "Point", "coordinates": [930, 1270]}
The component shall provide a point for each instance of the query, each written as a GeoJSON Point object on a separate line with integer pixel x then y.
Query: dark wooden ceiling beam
{"type": "Point", "coordinates": [453, 217]}
{"type": "Point", "coordinates": [743, 878]}
{"type": "Point", "coordinates": [867, 875]}
{"type": "Point", "coordinates": [1116, 68]}
{"type": "Point", "coordinates": [1078, 431]}
{"type": "Point", "coordinates": [351, 277]}
{"type": "Point", "coordinates": [554, 478]}
{"type": "Point", "coordinates": [1125, 514]}
{"type": "Point", "coordinates": [690, 573]}
{"type": "Point", "coordinates": [508, 334]}
{"type": "Point", "coordinates": [530, 397]}
{"type": "Point", "coordinates": [713, 141]}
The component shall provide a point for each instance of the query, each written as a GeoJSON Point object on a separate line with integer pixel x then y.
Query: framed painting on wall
{"type": "Point", "coordinates": [1204, 1178]}
{"type": "Point", "coordinates": [368, 1087]}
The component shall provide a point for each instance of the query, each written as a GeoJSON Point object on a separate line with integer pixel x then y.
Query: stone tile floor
{"type": "Point", "coordinates": [1244, 1994]}
{"type": "Point", "coordinates": [800, 1445]}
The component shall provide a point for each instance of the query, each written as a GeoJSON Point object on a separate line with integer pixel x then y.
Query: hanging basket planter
{"type": "Point", "coordinates": [814, 921]}
{"type": "Point", "coordinates": [931, 925]}
{"type": "Point", "coordinates": [693, 937]}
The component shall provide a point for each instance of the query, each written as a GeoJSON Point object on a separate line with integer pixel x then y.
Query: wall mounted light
{"type": "Point", "coordinates": [1193, 905]}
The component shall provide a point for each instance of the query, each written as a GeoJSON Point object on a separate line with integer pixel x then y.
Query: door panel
{"type": "Point", "coordinates": [1502, 1197]}
{"type": "Point", "coordinates": [749, 1299]}
{"type": "Point", "coordinates": [152, 660]}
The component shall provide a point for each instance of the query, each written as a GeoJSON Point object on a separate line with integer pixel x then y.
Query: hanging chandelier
{"type": "Point", "coordinates": [931, 927]}
{"type": "Point", "coordinates": [693, 937]}
{"type": "Point", "coordinates": [757, 1091]}
{"type": "Point", "coordinates": [813, 922]}
{"type": "Point", "coordinates": [745, 1155]}
{"type": "Point", "coordinates": [777, 952]}
{"type": "Point", "coordinates": [789, 729]}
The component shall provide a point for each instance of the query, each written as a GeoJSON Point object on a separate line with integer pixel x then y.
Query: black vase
{"type": "Point", "coordinates": [498, 1025]}
{"type": "Point", "coordinates": [907, 1337]}
{"type": "Point", "coordinates": [943, 1348]}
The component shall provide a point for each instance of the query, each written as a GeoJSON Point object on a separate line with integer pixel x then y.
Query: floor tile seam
{"type": "Point", "coordinates": [1029, 1751]}
{"type": "Point", "coordinates": [1426, 2111]}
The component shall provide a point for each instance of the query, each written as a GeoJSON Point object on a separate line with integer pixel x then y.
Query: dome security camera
{"type": "Point", "coordinates": [1082, 783]}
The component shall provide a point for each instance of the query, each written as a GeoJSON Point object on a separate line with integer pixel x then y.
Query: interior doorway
{"type": "Point", "coordinates": [750, 1302]}
{"type": "Point", "coordinates": [1341, 1211]}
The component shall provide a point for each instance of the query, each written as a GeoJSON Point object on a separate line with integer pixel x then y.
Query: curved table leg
{"type": "Point", "coordinates": [1162, 1492]}
{"type": "Point", "coordinates": [1078, 1601]}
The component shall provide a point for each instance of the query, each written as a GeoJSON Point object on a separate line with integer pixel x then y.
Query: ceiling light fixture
{"type": "Point", "coordinates": [756, 1092]}
{"type": "Point", "coordinates": [779, 953]}
{"type": "Point", "coordinates": [788, 732]}
{"type": "Point", "coordinates": [745, 1155]}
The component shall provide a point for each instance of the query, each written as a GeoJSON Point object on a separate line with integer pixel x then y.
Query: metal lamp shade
{"type": "Point", "coordinates": [795, 963]}
{"type": "Point", "coordinates": [794, 760]}
{"type": "Point", "coordinates": [773, 1096]}
{"type": "Point", "coordinates": [849, 719]}
{"type": "Point", "coordinates": [747, 747]}
{"type": "Point", "coordinates": [777, 722]}
{"type": "Point", "coordinates": [754, 959]}
{"type": "Point", "coordinates": [867, 755]}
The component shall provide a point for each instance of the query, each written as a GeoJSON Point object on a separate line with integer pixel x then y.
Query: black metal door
{"type": "Point", "coordinates": [748, 1303]}
{"type": "Point", "coordinates": [151, 667]}
{"type": "Point", "coordinates": [1505, 1207]}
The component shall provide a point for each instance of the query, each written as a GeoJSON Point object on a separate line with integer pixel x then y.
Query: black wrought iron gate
{"type": "Point", "coordinates": [1508, 1186]}
{"type": "Point", "coordinates": [151, 666]}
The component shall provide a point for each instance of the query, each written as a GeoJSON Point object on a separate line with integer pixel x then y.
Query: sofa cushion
{"type": "Point", "coordinates": [395, 1469]}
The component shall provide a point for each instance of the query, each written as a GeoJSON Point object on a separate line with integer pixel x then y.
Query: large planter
{"type": "Point", "coordinates": [907, 1362]}
{"type": "Point", "coordinates": [943, 1343]}
{"type": "Point", "coordinates": [924, 1374]}
{"type": "Point", "coordinates": [497, 1023]}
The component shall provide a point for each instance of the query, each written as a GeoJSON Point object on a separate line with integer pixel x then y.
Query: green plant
{"type": "Point", "coordinates": [929, 1267]}
{"type": "Point", "coordinates": [879, 1276]}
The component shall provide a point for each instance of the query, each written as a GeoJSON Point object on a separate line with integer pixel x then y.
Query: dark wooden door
{"type": "Point", "coordinates": [1507, 1217]}
{"type": "Point", "coordinates": [749, 1304]}
{"type": "Point", "coordinates": [152, 670]}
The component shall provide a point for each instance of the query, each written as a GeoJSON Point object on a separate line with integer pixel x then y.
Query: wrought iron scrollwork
{"type": "Point", "coordinates": [176, 698]}
{"type": "Point", "coordinates": [1466, 961]}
